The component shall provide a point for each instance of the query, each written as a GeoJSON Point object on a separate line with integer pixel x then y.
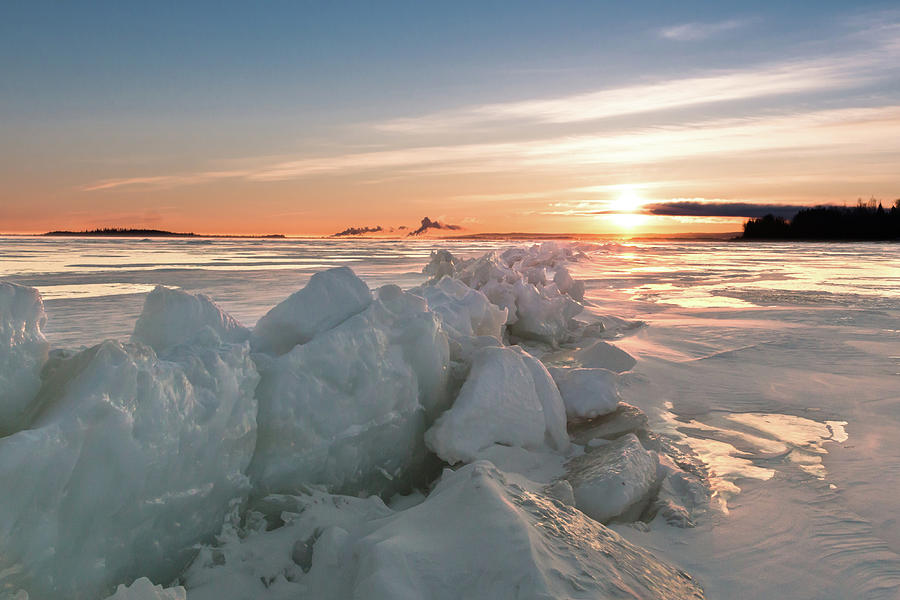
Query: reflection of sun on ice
{"type": "Point", "coordinates": [625, 210]}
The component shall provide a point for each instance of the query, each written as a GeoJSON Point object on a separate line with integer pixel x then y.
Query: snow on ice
{"type": "Point", "coordinates": [129, 459]}
{"type": "Point", "coordinates": [23, 350]}
{"type": "Point", "coordinates": [586, 392]}
{"type": "Point", "coordinates": [143, 589]}
{"type": "Point", "coordinates": [329, 298]}
{"type": "Point", "coordinates": [254, 463]}
{"type": "Point", "coordinates": [349, 408]}
{"type": "Point", "coordinates": [476, 535]}
{"type": "Point", "coordinates": [509, 399]}
{"type": "Point", "coordinates": [173, 317]}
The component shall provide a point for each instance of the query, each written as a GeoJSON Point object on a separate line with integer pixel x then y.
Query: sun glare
{"type": "Point", "coordinates": [627, 202]}
{"type": "Point", "coordinates": [626, 209]}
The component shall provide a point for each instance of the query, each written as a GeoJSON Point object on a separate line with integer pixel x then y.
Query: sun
{"type": "Point", "coordinates": [627, 202]}
{"type": "Point", "coordinates": [625, 211]}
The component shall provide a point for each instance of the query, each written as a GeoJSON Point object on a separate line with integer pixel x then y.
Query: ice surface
{"type": "Point", "coordinates": [544, 314]}
{"type": "Point", "coordinates": [551, 401]}
{"type": "Point", "coordinates": [604, 355]}
{"type": "Point", "coordinates": [613, 479]}
{"type": "Point", "coordinates": [128, 462]}
{"type": "Point", "coordinates": [682, 497]}
{"type": "Point", "coordinates": [23, 350]}
{"type": "Point", "coordinates": [476, 535]}
{"type": "Point", "coordinates": [532, 469]}
{"type": "Point", "coordinates": [173, 317]}
{"type": "Point", "coordinates": [567, 285]}
{"type": "Point", "coordinates": [518, 280]}
{"type": "Point", "coordinates": [697, 365]}
{"type": "Point", "coordinates": [329, 298]}
{"type": "Point", "coordinates": [545, 255]}
{"type": "Point", "coordinates": [442, 264]}
{"type": "Point", "coordinates": [625, 419]}
{"type": "Point", "coordinates": [143, 589]}
{"type": "Point", "coordinates": [464, 312]}
{"type": "Point", "coordinates": [562, 491]}
{"type": "Point", "coordinates": [508, 398]}
{"type": "Point", "coordinates": [587, 393]}
{"type": "Point", "coordinates": [136, 453]}
{"type": "Point", "coordinates": [348, 409]}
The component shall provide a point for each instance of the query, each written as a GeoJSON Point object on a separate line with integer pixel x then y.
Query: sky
{"type": "Point", "coordinates": [307, 118]}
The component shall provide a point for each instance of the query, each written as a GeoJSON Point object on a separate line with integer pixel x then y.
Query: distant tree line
{"type": "Point", "coordinates": [131, 232]}
{"type": "Point", "coordinates": [123, 231]}
{"type": "Point", "coordinates": [868, 220]}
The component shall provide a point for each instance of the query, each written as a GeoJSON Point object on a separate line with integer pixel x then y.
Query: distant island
{"type": "Point", "coordinates": [128, 232]}
{"type": "Point", "coordinates": [867, 221]}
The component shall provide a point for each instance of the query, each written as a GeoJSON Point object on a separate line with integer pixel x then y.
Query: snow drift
{"type": "Point", "coordinates": [476, 535]}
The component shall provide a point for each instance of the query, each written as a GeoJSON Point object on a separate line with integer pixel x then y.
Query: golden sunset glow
{"type": "Point", "coordinates": [486, 299]}
{"type": "Point", "coordinates": [678, 132]}
{"type": "Point", "coordinates": [625, 210]}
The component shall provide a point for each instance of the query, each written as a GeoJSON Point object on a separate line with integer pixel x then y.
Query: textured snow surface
{"type": "Point", "coordinates": [625, 419]}
{"type": "Point", "coordinates": [143, 589]}
{"type": "Point", "coordinates": [476, 535]}
{"type": "Point", "coordinates": [604, 355]}
{"type": "Point", "coordinates": [613, 479]}
{"type": "Point", "coordinates": [23, 351]}
{"type": "Point", "coordinates": [767, 383]}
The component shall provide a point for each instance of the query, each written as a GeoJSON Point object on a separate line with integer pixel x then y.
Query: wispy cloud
{"type": "Point", "coordinates": [601, 149]}
{"type": "Point", "coordinates": [591, 191]}
{"type": "Point", "coordinates": [163, 181]}
{"type": "Point", "coordinates": [356, 162]}
{"type": "Point", "coordinates": [781, 79]}
{"type": "Point", "coordinates": [690, 32]}
{"type": "Point", "coordinates": [823, 133]}
{"type": "Point", "coordinates": [592, 196]}
{"type": "Point", "coordinates": [878, 60]}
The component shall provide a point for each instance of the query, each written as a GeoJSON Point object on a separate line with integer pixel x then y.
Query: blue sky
{"type": "Point", "coordinates": [364, 113]}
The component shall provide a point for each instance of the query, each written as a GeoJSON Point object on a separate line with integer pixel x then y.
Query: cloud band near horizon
{"type": "Point", "coordinates": [746, 210]}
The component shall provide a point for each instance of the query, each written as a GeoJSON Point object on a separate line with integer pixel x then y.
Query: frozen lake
{"type": "Point", "coordinates": [776, 365]}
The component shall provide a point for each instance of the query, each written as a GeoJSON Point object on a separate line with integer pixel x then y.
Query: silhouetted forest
{"type": "Point", "coordinates": [868, 220]}
{"type": "Point", "coordinates": [129, 232]}
{"type": "Point", "coordinates": [123, 231]}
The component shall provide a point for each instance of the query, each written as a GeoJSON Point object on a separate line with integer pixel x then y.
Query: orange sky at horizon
{"type": "Point", "coordinates": [227, 210]}
{"type": "Point", "coordinates": [561, 185]}
{"type": "Point", "coordinates": [537, 120]}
